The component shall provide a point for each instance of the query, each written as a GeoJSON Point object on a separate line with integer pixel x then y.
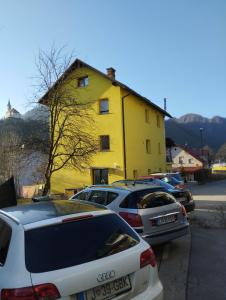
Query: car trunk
{"type": "Point", "coordinates": [76, 282]}
{"type": "Point", "coordinates": [159, 212]}
{"type": "Point", "coordinates": [86, 259]}
{"type": "Point", "coordinates": [159, 219]}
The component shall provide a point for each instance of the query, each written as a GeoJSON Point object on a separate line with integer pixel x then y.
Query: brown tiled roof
{"type": "Point", "coordinates": [79, 63]}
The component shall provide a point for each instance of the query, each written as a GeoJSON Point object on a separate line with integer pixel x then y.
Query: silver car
{"type": "Point", "coordinates": [152, 212]}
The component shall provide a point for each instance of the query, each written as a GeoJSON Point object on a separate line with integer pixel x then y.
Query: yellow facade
{"type": "Point", "coordinates": [143, 136]}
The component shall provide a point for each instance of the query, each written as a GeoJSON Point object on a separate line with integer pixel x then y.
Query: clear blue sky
{"type": "Point", "coordinates": [160, 48]}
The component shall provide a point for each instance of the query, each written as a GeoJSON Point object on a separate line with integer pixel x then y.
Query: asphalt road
{"type": "Point", "coordinates": [207, 268]}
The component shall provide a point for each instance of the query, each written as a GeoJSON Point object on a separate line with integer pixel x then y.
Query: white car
{"type": "Point", "coordinates": [73, 251]}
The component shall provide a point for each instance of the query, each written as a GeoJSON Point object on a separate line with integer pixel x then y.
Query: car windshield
{"type": "Point", "coordinates": [164, 184]}
{"type": "Point", "coordinates": [177, 176]}
{"type": "Point", "coordinates": [73, 243]}
{"type": "Point", "coordinates": [171, 180]}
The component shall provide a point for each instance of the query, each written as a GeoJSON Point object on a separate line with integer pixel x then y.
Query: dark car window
{"type": "Point", "coordinates": [5, 237]}
{"type": "Point", "coordinates": [155, 199]}
{"type": "Point", "coordinates": [177, 176]}
{"type": "Point", "coordinates": [111, 197]}
{"type": "Point", "coordinates": [99, 197]}
{"type": "Point", "coordinates": [165, 184]}
{"type": "Point", "coordinates": [74, 243]}
{"type": "Point", "coordinates": [81, 196]}
{"type": "Point", "coordinates": [134, 197]}
{"type": "Point", "coordinates": [171, 180]}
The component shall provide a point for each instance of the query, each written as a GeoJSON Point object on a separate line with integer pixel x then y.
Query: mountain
{"type": "Point", "coordinates": [39, 113]}
{"type": "Point", "coordinates": [186, 130]}
{"type": "Point", "coordinates": [32, 133]}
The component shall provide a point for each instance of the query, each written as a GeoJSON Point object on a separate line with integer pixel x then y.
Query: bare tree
{"type": "Point", "coordinates": [71, 143]}
{"type": "Point", "coordinates": [13, 157]}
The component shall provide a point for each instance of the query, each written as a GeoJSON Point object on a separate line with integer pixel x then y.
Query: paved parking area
{"type": "Point", "coordinates": [207, 270]}
{"type": "Point", "coordinates": [194, 267]}
{"type": "Point", "coordinates": [173, 268]}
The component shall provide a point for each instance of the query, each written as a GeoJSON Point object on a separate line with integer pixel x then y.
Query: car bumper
{"type": "Point", "coordinates": [162, 237]}
{"type": "Point", "coordinates": [190, 206]}
{"type": "Point", "coordinates": [151, 293]}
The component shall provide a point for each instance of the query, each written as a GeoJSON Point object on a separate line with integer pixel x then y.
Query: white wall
{"type": "Point", "coordinates": [181, 158]}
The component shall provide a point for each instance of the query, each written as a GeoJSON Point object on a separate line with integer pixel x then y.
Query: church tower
{"type": "Point", "coordinates": [12, 112]}
{"type": "Point", "coordinates": [9, 107]}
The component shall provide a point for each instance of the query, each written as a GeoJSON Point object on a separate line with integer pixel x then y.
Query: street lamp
{"type": "Point", "coordinates": [201, 138]}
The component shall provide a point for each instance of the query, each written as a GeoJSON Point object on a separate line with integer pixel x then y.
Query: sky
{"type": "Point", "coordinates": [174, 49]}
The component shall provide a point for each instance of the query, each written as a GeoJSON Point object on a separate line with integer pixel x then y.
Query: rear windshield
{"type": "Point", "coordinates": [69, 244]}
{"type": "Point", "coordinates": [138, 200]}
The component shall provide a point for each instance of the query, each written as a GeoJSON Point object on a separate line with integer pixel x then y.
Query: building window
{"type": "Point", "coordinates": [159, 148]}
{"type": "Point", "coordinates": [148, 146]}
{"type": "Point", "coordinates": [181, 160]}
{"type": "Point", "coordinates": [147, 116]}
{"type": "Point", "coordinates": [104, 142]}
{"type": "Point", "coordinates": [104, 106]}
{"type": "Point", "coordinates": [83, 81]}
{"type": "Point", "coordinates": [158, 120]}
{"type": "Point", "coordinates": [190, 161]}
{"type": "Point", "coordinates": [135, 174]}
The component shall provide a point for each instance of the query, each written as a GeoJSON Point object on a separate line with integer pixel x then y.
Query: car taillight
{"type": "Point", "coordinates": [46, 291]}
{"type": "Point", "coordinates": [148, 258]}
{"type": "Point", "coordinates": [133, 220]}
{"type": "Point", "coordinates": [183, 211]}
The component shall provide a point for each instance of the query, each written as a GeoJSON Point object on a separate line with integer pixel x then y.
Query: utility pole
{"type": "Point", "coordinates": [201, 139]}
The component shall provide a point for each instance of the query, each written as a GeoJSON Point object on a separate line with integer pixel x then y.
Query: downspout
{"type": "Point", "coordinates": [124, 135]}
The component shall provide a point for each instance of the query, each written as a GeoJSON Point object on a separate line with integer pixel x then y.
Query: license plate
{"type": "Point", "coordinates": [109, 290]}
{"type": "Point", "coordinates": [166, 219]}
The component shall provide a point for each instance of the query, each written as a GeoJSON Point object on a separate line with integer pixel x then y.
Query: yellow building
{"type": "Point", "coordinates": [219, 168]}
{"type": "Point", "coordinates": [130, 129]}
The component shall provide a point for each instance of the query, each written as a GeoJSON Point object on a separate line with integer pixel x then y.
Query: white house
{"type": "Point", "coordinates": [186, 161]}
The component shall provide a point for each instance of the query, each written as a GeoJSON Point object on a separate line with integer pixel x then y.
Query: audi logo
{"type": "Point", "coordinates": [106, 276]}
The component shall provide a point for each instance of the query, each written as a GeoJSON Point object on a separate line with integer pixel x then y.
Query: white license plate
{"type": "Point", "coordinates": [166, 219]}
{"type": "Point", "coordinates": [109, 290]}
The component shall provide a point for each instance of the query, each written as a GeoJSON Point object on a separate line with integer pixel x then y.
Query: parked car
{"type": "Point", "coordinates": [152, 212]}
{"type": "Point", "coordinates": [173, 178]}
{"type": "Point", "coordinates": [73, 250]}
{"type": "Point", "coordinates": [181, 195]}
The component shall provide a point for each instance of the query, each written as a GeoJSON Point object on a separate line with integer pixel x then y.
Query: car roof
{"type": "Point", "coordinates": [35, 212]}
{"type": "Point", "coordinates": [132, 187]}
{"type": "Point", "coordinates": [165, 174]}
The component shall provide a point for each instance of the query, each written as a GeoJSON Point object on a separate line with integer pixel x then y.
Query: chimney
{"type": "Point", "coordinates": [165, 104]}
{"type": "Point", "coordinates": [111, 73]}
